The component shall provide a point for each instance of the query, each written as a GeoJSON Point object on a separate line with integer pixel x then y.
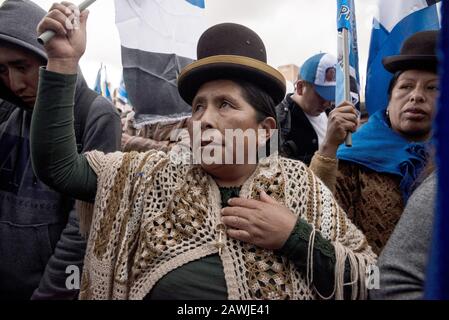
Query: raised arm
{"type": "Point", "coordinates": [53, 145]}
{"type": "Point", "coordinates": [324, 163]}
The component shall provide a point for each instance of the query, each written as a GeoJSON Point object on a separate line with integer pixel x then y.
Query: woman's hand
{"type": "Point", "coordinates": [341, 120]}
{"type": "Point", "coordinates": [264, 223]}
{"type": "Point", "coordinates": [66, 48]}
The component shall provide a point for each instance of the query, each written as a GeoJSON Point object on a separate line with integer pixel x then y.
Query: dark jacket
{"type": "Point", "coordinates": [39, 235]}
{"type": "Point", "coordinates": [33, 216]}
{"type": "Point", "coordinates": [298, 139]}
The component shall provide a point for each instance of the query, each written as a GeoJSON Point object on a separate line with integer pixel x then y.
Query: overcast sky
{"type": "Point", "coordinates": [292, 30]}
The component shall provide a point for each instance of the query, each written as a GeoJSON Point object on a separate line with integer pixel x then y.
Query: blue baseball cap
{"type": "Point", "coordinates": [320, 70]}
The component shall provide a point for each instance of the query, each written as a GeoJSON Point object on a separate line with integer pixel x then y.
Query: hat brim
{"type": "Point", "coordinates": [194, 75]}
{"type": "Point", "coordinates": [24, 45]}
{"type": "Point", "coordinates": [408, 62]}
{"type": "Point", "coordinates": [326, 92]}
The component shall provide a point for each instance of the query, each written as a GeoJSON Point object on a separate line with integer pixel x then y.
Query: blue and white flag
{"type": "Point", "coordinates": [159, 38]}
{"type": "Point", "coordinates": [396, 21]}
{"type": "Point", "coordinates": [437, 282]}
{"type": "Point", "coordinates": [346, 20]}
{"type": "Point", "coordinates": [122, 94]}
{"type": "Point", "coordinates": [97, 87]}
{"type": "Point", "coordinates": [101, 83]}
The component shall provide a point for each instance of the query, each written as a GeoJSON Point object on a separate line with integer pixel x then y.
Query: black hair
{"type": "Point", "coordinates": [261, 101]}
{"type": "Point", "coordinates": [393, 83]}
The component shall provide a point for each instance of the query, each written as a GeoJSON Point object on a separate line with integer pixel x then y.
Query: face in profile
{"type": "Point", "coordinates": [412, 104]}
{"type": "Point", "coordinates": [19, 72]}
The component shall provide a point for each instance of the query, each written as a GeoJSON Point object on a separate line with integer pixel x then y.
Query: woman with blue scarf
{"type": "Point", "coordinates": [373, 179]}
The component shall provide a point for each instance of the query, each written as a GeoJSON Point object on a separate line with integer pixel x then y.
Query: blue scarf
{"type": "Point", "coordinates": [376, 146]}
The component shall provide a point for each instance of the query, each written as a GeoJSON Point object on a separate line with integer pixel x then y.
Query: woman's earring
{"type": "Point", "coordinates": [387, 117]}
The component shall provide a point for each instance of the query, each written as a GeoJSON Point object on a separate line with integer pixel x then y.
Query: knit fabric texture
{"type": "Point", "coordinates": [152, 215]}
{"type": "Point", "coordinates": [371, 199]}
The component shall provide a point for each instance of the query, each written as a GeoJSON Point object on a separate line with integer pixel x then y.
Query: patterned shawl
{"type": "Point", "coordinates": [152, 216]}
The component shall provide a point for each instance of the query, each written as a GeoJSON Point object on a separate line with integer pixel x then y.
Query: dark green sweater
{"type": "Point", "coordinates": [56, 162]}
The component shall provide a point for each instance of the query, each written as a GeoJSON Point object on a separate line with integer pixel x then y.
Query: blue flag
{"type": "Point", "coordinates": [122, 94]}
{"type": "Point", "coordinates": [107, 91]}
{"type": "Point", "coordinates": [437, 284]}
{"type": "Point", "coordinates": [396, 21]}
{"type": "Point", "coordinates": [97, 87]}
{"type": "Point", "coordinates": [346, 20]}
{"type": "Point", "coordinates": [198, 3]}
{"type": "Point", "coordinates": [344, 14]}
{"type": "Point", "coordinates": [101, 83]}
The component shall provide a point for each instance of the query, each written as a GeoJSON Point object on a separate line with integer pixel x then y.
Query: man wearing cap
{"type": "Point", "coordinates": [302, 116]}
{"type": "Point", "coordinates": [39, 234]}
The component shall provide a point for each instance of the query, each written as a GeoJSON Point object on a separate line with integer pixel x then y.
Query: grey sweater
{"type": "Point", "coordinates": [402, 263]}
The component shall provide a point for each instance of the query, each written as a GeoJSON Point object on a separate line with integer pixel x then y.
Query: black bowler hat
{"type": "Point", "coordinates": [230, 50]}
{"type": "Point", "coordinates": [417, 52]}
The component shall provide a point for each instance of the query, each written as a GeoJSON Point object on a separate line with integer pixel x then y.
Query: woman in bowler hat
{"type": "Point", "coordinates": [159, 229]}
{"type": "Point", "coordinates": [373, 179]}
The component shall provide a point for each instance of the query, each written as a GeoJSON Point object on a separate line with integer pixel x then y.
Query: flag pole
{"type": "Point", "coordinates": [49, 34]}
{"type": "Point", "coordinates": [346, 75]}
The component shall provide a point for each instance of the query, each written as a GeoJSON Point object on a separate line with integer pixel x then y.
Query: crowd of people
{"type": "Point", "coordinates": [307, 219]}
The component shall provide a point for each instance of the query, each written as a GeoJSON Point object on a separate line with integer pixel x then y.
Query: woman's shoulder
{"type": "Point", "coordinates": [292, 163]}
{"type": "Point", "coordinates": [352, 169]}
{"type": "Point", "coordinates": [101, 162]}
{"type": "Point", "coordinates": [297, 173]}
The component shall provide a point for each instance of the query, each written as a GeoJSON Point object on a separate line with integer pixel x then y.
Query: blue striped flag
{"type": "Point", "coordinates": [122, 94]}
{"type": "Point", "coordinates": [106, 87]}
{"type": "Point", "coordinates": [346, 19]}
{"type": "Point", "coordinates": [437, 284]}
{"type": "Point", "coordinates": [396, 21]}
{"type": "Point", "coordinates": [102, 86]}
{"type": "Point", "coordinates": [158, 38]}
{"type": "Point", "coordinates": [97, 87]}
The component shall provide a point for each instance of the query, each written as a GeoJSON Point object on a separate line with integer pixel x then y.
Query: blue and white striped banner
{"type": "Point", "coordinates": [158, 38]}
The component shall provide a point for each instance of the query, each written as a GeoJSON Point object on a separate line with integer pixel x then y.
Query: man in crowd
{"type": "Point", "coordinates": [302, 116]}
{"type": "Point", "coordinates": [38, 243]}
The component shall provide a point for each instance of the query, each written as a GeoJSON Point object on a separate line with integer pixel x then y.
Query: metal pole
{"type": "Point", "coordinates": [47, 35]}
{"type": "Point", "coordinates": [346, 75]}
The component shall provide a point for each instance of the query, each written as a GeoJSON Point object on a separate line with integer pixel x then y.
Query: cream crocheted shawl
{"type": "Point", "coordinates": [152, 216]}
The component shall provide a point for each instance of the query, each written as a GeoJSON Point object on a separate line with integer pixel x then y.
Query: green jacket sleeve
{"type": "Point", "coordinates": [296, 250]}
{"type": "Point", "coordinates": [53, 146]}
